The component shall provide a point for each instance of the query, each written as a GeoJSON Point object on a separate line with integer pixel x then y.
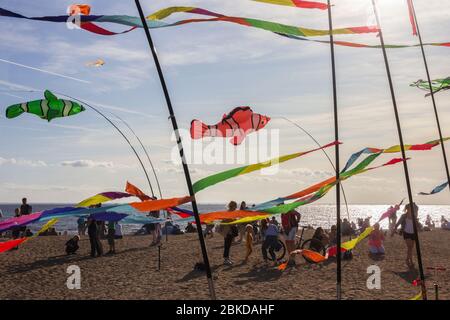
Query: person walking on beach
{"type": "Point", "coordinates": [289, 222]}
{"type": "Point", "coordinates": [407, 229]}
{"type": "Point", "coordinates": [270, 242]}
{"type": "Point", "coordinates": [111, 237]}
{"type": "Point", "coordinates": [93, 232]}
{"type": "Point", "coordinates": [229, 232]}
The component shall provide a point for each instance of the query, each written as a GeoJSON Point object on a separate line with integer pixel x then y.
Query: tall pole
{"type": "Point", "coordinates": [402, 146]}
{"type": "Point", "coordinates": [180, 148]}
{"type": "Point", "coordinates": [337, 168]}
{"type": "Point", "coordinates": [436, 114]}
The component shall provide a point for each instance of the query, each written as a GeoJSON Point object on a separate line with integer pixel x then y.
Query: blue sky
{"type": "Point", "coordinates": [211, 68]}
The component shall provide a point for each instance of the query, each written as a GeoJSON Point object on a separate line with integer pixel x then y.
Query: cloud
{"type": "Point", "coordinates": [22, 162]}
{"type": "Point", "coordinates": [88, 164]}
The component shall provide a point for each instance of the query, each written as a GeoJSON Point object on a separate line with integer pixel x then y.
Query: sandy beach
{"type": "Point", "coordinates": [38, 270]}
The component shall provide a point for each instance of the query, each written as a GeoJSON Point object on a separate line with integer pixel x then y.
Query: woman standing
{"type": "Point", "coordinates": [407, 229]}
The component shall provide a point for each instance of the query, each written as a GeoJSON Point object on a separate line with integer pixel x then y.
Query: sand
{"type": "Point", "coordinates": [38, 270]}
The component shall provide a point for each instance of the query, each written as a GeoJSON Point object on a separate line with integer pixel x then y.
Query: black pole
{"type": "Point", "coordinates": [336, 138]}
{"type": "Point", "coordinates": [436, 114]}
{"type": "Point", "coordinates": [402, 146]}
{"type": "Point", "coordinates": [180, 148]}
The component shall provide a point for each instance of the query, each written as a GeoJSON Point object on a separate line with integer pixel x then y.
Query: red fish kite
{"type": "Point", "coordinates": [237, 124]}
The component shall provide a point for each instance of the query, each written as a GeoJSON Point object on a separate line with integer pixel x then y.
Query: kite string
{"type": "Point", "coordinates": [324, 152]}
{"type": "Point", "coordinates": [145, 151]}
{"type": "Point", "coordinates": [121, 133]}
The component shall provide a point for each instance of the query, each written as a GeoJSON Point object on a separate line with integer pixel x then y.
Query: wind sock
{"type": "Point", "coordinates": [237, 124]}
{"type": "Point", "coordinates": [49, 108]}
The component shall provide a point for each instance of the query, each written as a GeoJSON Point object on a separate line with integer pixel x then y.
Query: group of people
{"type": "Point", "coordinates": [22, 231]}
{"type": "Point", "coordinates": [97, 230]}
{"type": "Point", "coordinates": [267, 230]}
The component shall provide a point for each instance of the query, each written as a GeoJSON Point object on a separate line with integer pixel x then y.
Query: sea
{"type": "Point", "coordinates": [316, 215]}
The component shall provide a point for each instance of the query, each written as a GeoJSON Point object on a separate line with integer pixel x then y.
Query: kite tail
{"type": "Point", "coordinates": [199, 129]}
{"type": "Point", "coordinates": [14, 111]}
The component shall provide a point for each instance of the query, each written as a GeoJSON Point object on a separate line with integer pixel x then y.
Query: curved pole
{"type": "Point", "coordinates": [145, 151]}
{"type": "Point", "coordinates": [118, 130]}
{"type": "Point", "coordinates": [326, 155]}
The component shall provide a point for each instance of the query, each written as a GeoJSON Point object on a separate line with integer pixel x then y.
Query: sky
{"type": "Point", "coordinates": [210, 68]}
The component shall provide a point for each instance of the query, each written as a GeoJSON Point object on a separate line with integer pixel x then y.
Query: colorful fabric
{"type": "Point", "coordinates": [297, 3]}
{"type": "Point", "coordinates": [49, 108]}
{"type": "Point", "coordinates": [87, 22]}
{"type": "Point", "coordinates": [226, 175]}
{"type": "Point", "coordinates": [103, 197]}
{"type": "Point", "coordinates": [393, 149]}
{"type": "Point", "coordinates": [367, 46]}
{"type": "Point", "coordinates": [155, 205]}
{"type": "Point", "coordinates": [237, 124]}
{"type": "Point", "coordinates": [437, 189]}
{"type": "Point", "coordinates": [135, 191]}
{"type": "Point", "coordinates": [8, 245]}
{"type": "Point", "coordinates": [412, 19]}
{"type": "Point", "coordinates": [437, 85]}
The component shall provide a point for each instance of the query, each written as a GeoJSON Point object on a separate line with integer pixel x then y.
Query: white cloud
{"type": "Point", "coordinates": [88, 164]}
{"type": "Point", "coordinates": [22, 162]}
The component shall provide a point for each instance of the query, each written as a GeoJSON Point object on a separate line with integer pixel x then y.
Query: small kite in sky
{"type": "Point", "coordinates": [49, 108]}
{"type": "Point", "coordinates": [97, 63]}
{"type": "Point", "coordinates": [84, 9]}
{"type": "Point", "coordinates": [237, 124]}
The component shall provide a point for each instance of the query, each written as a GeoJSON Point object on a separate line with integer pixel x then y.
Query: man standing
{"type": "Point", "coordinates": [93, 230]}
{"type": "Point", "coordinates": [25, 208]}
{"type": "Point", "coordinates": [289, 222]}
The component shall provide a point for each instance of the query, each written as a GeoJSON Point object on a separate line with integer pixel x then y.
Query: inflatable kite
{"type": "Point", "coordinates": [49, 108]}
{"type": "Point", "coordinates": [237, 124]}
{"type": "Point", "coordinates": [437, 85]}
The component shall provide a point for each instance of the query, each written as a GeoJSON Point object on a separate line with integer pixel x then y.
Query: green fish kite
{"type": "Point", "coordinates": [49, 108]}
{"type": "Point", "coordinates": [437, 85]}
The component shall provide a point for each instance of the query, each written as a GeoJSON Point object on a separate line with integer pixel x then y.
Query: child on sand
{"type": "Point", "coordinates": [249, 241]}
{"type": "Point", "coordinates": [376, 240]}
{"type": "Point", "coordinates": [72, 245]}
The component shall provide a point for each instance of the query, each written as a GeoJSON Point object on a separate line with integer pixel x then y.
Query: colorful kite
{"type": "Point", "coordinates": [225, 175]}
{"type": "Point", "coordinates": [135, 191]}
{"type": "Point", "coordinates": [49, 108]}
{"type": "Point", "coordinates": [97, 63]}
{"type": "Point", "coordinates": [412, 19]}
{"type": "Point", "coordinates": [437, 85]}
{"type": "Point", "coordinates": [297, 3]}
{"type": "Point", "coordinates": [237, 124]}
{"type": "Point", "coordinates": [437, 189]}
{"type": "Point", "coordinates": [75, 9]}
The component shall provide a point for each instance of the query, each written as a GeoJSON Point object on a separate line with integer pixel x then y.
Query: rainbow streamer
{"type": "Point", "coordinates": [297, 3]}
{"type": "Point", "coordinates": [103, 197]}
{"type": "Point", "coordinates": [87, 22]}
{"type": "Point", "coordinates": [226, 175]}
